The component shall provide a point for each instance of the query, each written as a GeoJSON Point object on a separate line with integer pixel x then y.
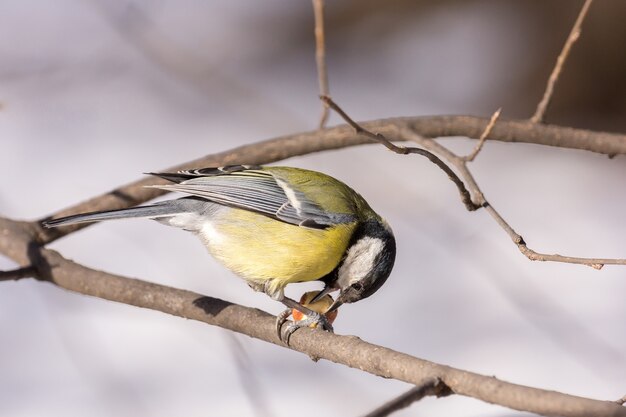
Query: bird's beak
{"type": "Point", "coordinates": [326, 290]}
{"type": "Point", "coordinates": [335, 305]}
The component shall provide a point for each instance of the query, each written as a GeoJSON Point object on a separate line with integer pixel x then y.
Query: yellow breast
{"type": "Point", "coordinates": [259, 248]}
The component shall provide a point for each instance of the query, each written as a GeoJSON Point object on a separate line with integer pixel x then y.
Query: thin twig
{"type": "Point", "coordinates": [431, 386]}
{"type": "Point", "coordinates": [483, 136]}
{"type": "Point", "coordinates": [403, 150]}
{"type": "Point", "coordinates": [478, 197]}
{"type": "Point", "coordinates": [347, 350]}
{"type": "Point", "coordinates": [596, 263]}
{"type": "Point", "coordinates": [320, 57]}
{"type": "Point", "coordinates": [26, 272]}
{"type": "Point", "coordinates": [539, 115]}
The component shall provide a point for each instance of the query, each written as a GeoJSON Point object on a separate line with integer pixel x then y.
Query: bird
{"type": "Point", "coordinates": [273, 226]}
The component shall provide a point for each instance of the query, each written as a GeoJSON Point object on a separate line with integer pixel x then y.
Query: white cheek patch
{"type": "Point", "coordinates": [359, 261]}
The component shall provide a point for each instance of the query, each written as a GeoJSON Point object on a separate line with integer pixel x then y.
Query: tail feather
{"type": "Point", "coordinates": [153, 211]}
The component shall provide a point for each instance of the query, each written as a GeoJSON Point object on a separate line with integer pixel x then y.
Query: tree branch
{"type": "Point", "coordinates": [515, 131]}
{"type": "Point", "coordinates": [540, 112]}
{"type": "Point", "coordinates": [461, 164]}
{"type": "Point", "coordinates": [347, 350]}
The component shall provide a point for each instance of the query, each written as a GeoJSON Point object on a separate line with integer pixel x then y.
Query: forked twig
{"type": "Point", "coordinates": [478, 199]}
{"type": "Point", "coordinates": [320, 57]}
{"type": "Point", "coordinates": [539, 115]}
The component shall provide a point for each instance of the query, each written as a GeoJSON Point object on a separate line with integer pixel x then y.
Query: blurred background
{"type": "Point", "coordinates": [96, 92]}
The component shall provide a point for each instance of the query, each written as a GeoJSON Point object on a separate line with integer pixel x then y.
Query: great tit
{"type": "Point", "coordinates": [274, 226]}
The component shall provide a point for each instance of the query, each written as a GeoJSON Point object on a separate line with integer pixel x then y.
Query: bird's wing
{"type": "Point", "coordinates": [251, 188]}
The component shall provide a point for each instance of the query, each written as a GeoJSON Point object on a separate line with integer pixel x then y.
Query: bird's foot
{"type": "Point", "coordinates": [313, 319]}
{"type": "Point", "coordinates": [280, 320]}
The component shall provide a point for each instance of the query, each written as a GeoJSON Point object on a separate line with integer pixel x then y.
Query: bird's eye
{"type": "Point", "coordinates": [357, 286]}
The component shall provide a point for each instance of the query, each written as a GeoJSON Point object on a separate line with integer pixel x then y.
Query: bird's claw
{"type": "Point", "coordinates": [312, 320]}
{"type": "Point", "coordinates": [280, 320]}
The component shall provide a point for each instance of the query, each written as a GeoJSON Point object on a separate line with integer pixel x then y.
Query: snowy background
{"type": "Point", "coordinates": [96, 92]}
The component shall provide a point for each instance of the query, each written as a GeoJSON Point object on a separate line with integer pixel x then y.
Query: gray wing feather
{"type": "Point", "coordinates": [260, 192]}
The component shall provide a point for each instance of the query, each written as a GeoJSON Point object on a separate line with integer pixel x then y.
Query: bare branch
{"type": "Point", "coordinates": [20, 273]}
{"type": "Point", "coordinates": [479, 199]}
{"type": "Point", "coordinates": [347, 350]}
{"type": "Point", "coordinates": [539, 115]}
{"type": "Point", "coordinates": [320, 57]}
{"type": "Point", "coordinates": [510, 131]}
{"type": "Point", "coordinates": [483, 137]}
{"type": "Point", "coordinates": [431, 386]}
{"type": "Point", "coordinates": [622, 400]}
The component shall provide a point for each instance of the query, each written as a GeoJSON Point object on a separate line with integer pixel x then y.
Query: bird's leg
{"type": "Point", "coordinates": [313, 317]}
{"type": "Point", "coordinates": [279, 295]}
{"type": "Point", "coordinates": [276, 295]}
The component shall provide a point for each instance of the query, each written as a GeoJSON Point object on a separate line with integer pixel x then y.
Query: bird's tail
{"type": "Point", "coordinates": [162, 209]}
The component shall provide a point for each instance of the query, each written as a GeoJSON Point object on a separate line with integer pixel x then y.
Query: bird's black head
{"type": "Point", "coordinates": [367, 264]}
